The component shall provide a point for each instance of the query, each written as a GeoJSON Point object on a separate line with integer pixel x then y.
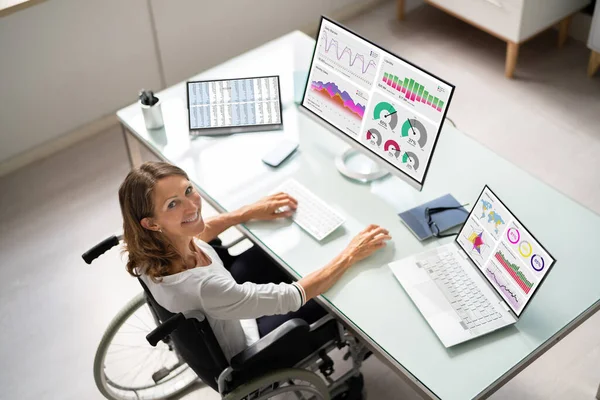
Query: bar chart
{"type": "Point", "coordinates": [413, 91]}
{"type": "Point", "coordinates": [419, 92]}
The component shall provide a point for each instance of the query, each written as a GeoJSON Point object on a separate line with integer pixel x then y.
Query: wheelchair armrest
{"type": "Point", "coordinates": [165, 329]}
{"type": "Point", "coordinates": [272, 346]}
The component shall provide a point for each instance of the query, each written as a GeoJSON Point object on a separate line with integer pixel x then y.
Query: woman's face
{"type": "Point", "coordinates": [177, 207]}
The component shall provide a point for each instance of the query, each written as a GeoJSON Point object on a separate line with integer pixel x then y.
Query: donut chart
{"type": "Point", "coordinates": [386, 112]}
{"type": "Point", "coordinates": [537, 262]}
{"type": "Point", "coordinates": [415, 127]}
{"type": "Point", "coordinates": [374, 136]}
{"type": "Point", "coordinates": [409, 155]}
{"type": "Point", "coordinates": [392, 147]}
{"type": "Point", "coordinates": [513, 235]}
{"type": "Point", "coordinates": [525, 248]}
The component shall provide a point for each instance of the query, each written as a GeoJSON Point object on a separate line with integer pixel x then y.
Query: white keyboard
{"type": "Point", "coordinates": [473, 308]}
{"type": "Point", "coordinates": [313, 214]}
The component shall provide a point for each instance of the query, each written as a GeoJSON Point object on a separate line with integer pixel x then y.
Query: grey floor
{"type": "Point", "coordinates": [54, 308]}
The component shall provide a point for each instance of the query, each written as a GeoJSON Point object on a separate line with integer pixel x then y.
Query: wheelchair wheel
{"type": "Point", "coordinates": [126, 367]}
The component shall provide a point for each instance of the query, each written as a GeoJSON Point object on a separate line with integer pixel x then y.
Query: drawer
{"type": "Point", "coordinates": [501, 18]}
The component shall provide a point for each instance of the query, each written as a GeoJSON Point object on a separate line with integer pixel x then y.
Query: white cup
{"type": "Point", "coordinates": [152, 115]}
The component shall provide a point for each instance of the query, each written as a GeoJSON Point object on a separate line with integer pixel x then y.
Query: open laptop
{"type": "Point", "coordinates": [480, 282]}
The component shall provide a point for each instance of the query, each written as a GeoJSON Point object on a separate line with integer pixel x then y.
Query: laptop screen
{"type": "Point", "coordinates": [505, 252]}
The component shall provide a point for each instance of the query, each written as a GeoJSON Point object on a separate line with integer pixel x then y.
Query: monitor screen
{"type": "Point", "coordinates": [387, 105]}
{"type": "Point", "coordinates": [248, 102]}
{"type": "Point", "coordinates": [505, 252]}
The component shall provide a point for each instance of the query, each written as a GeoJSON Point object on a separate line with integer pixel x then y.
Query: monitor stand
{"type": "Point", "coordinates": [356, 166]}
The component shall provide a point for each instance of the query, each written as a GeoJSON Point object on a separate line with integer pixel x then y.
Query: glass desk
{"type": "Point", "coordinates": [229, 173]}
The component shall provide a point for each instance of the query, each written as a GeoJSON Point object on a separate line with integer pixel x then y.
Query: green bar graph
{"type": "Point", "coordinates": [412, 90]}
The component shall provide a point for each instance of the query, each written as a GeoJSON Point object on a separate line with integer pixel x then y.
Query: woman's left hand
{"type": "Point", "coordinates": [269, 207]}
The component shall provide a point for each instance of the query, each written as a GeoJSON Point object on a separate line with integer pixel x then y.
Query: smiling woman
{"type": "Point", "coordinates": [244, 297]}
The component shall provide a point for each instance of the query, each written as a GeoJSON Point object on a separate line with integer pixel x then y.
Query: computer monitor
{"type": "Point", "coordinates": [382, 105]}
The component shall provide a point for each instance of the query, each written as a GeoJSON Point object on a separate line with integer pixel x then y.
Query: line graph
{"type": "Point", "coordinates": [509, 293]}
{"type": "Point", "coordinates": [349, 57]}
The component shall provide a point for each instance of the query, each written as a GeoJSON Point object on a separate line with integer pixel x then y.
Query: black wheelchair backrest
{"type": "Point", "coordinates": [195, 342]}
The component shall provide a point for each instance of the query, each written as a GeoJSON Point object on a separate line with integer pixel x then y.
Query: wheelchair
{"type": "Point", "coordinates": [163, 355]}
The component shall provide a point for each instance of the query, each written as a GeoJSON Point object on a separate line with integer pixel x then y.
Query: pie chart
{"type": "Point", "coordinates": [387, 113]}
{"type": "Point", "coordinates": [374, 136]}
{"type": "Point", "coordinates": [414, 128]}
{"type": "Point", "coordinates": [392, 147]}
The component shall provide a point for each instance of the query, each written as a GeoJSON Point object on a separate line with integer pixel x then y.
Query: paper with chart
{"type": "Point", "coordinates": [505, 252]}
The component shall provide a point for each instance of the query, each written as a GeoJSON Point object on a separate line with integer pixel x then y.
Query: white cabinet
{"type": "Point", "coordinates": [594, 44]}
{"type": "Point", "coordinates": [513, 21]}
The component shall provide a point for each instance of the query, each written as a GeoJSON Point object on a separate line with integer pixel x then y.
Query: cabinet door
{"type": "Point", "coordinates": [594, 40]}
{"type": "Point", "coordinates": [501, 18]}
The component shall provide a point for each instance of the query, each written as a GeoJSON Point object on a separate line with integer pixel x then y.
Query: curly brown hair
{"type": "Point", "coordinates": [149, 252]}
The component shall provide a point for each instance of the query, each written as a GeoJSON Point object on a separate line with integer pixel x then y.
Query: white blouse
{"type": "Point", "coordinates": [230, 308]}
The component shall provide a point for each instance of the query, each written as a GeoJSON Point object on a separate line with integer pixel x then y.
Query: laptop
{"type": "Point", "coordinates": [480, 282]}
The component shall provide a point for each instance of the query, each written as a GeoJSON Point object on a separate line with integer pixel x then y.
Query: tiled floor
{"type": "Point", "coordinates": [54, 308]}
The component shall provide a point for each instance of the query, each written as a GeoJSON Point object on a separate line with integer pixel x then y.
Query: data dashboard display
{"type": "Point", "coordinates": [234, 103]}
{"type": "Point", "coordinates": [507, 254]}
{"type": "Point", "coordinates": [389, 106]}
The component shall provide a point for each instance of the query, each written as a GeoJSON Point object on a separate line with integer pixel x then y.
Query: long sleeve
{"type": "Point", "coordinates": [223, 298]}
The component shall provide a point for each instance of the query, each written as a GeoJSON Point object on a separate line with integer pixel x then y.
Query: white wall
{"type": "Point", "coordinates": [64, 63]}
{"type": "Point", "coordinates": [195, 35]}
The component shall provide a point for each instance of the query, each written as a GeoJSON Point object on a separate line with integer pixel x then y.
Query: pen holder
{"type": "Point", "coordinates": [152, 115]}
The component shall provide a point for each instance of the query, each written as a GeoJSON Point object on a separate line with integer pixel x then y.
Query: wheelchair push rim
{"type": "Point", "coordinates": [127, 367]}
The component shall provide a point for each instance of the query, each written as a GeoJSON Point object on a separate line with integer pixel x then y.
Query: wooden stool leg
{"type": "Point", "coordinates": [512, 53]}
{"type": "Point", "coordinates": [400, 10]}
{"type": "Point", "coordinates": [594, 63]}
{"type": "Point", "coordinates": [563, 31]}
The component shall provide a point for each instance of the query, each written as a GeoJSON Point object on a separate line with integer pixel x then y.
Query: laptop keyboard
{"type": "Point", "coordinates": [473, 308]}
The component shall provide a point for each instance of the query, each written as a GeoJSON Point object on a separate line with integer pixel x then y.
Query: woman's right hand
{"type": "Point", "coordinates": [371, 239]}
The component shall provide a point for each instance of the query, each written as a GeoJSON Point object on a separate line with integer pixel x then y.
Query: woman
{"type": "Point", "coordinates": [244, 298]}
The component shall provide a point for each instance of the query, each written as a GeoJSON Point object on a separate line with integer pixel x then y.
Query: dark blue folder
{"type": "Point", "coordinates": [416, 220]}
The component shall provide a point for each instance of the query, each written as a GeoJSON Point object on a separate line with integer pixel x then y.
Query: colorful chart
{"type": "Point", "coordinates": [537, 263]}
{"type": "Point", "coordinates": [506, 288]}
{"type": "Point", "coordinates": [392, 147]}
{"type": "Point", "coordinates": [413, 91]}
{"type": "Point", "coordinates": [492, 219]}
{"type": "Point", "coordinates": [513, 235]}
{"type": "Point", "coordinates": [412, 159]}
{"type": "Point", "coordinates": [349, 56]}
{"type": "Point", "coordinates": [485, 205]}
{"type": "Point", "coordinates": [476, 242]}
{"type": "Point", "coordinates": [525, 249]}
{"type": "Point", "coordinates": [514, 271]}
{"type": "Point", "coordinates": [418, 92]}
{"type": "Point", "coordinates": [416, 128]}
{"type": "Point", "coordinates": [342, 98]}
{"type": "Point", "coordinates": [496, 219]}
{"type": "Point", "coordinates": [374, 136]}
{"type": "Point", "coordinates": [387, 113]}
